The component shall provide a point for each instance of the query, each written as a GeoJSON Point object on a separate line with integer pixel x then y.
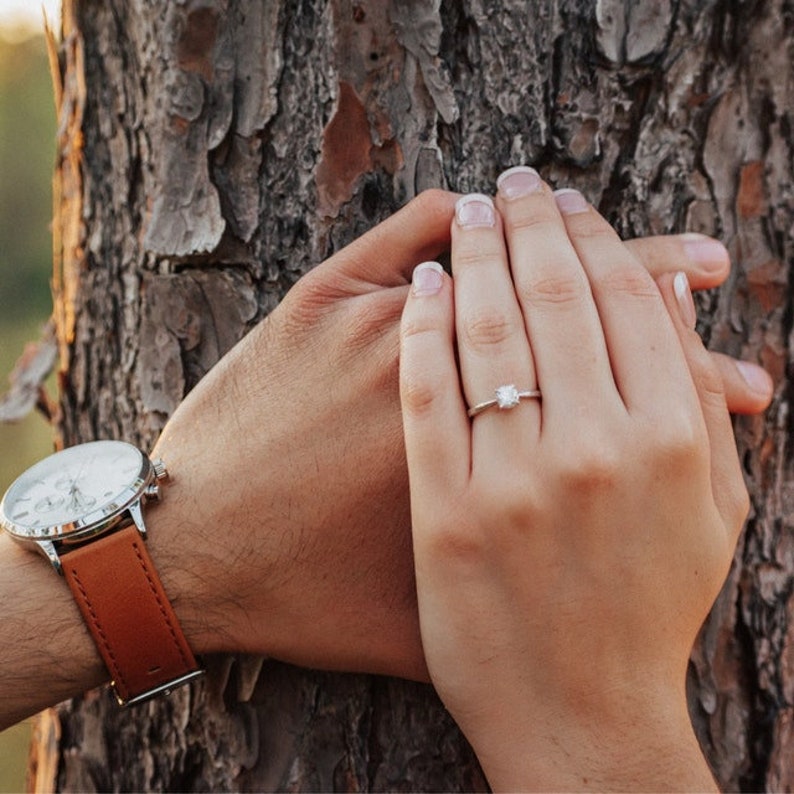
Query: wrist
{"type": "Point", "coordinates": [652, 747]}
{"type": "Point", "coordinates": [218, 536]}
{"type": "Point", "coordinates": [186, 541]}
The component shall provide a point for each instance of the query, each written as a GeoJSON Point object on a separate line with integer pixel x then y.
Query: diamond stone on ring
{"type": "Point", "coordinates": [507, 396]}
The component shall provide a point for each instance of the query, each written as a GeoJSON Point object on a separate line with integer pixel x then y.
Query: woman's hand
{"type": "Point", "coordinates": [567, 549]}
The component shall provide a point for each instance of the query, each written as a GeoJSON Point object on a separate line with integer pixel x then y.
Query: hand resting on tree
{"type": "Point", "coordinates": [567, 547]}
{"type": "Point", "coordinates": [285, 530]}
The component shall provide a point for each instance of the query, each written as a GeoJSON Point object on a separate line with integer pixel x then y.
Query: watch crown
{"type": "Point", "coordinates": [152, 491]}
{"type": "Point", "coordinates": [160, 472]}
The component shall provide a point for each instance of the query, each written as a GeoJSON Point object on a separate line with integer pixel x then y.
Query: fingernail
{"type": "Point", "coordinates": [427, 278]}
{"type": "Point", "coordinates": [475, 210]}
{"type": "Point", "coordinates": [570, 201]}
{"type": "Point", "coordinates": [708, 254]}
{"type": "Point", "coordinates": [757, 378]}
{"type": "Point", "coordinates": [521, 180]}
{"type": "Point", "coordinates": [684, 297]}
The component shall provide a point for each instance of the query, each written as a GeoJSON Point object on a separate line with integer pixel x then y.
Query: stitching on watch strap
{"type": "Point", "coordinates": [157, 598]}
{"type": "Point", "coordinates": [116, 673]}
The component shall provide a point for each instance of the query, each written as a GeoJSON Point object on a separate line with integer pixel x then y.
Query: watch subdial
{"type": "Point", "coordinates": [49, 503]}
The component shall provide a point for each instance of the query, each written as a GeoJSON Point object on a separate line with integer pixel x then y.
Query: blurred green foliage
{"type": "Point", "coordinates": [27, 147]}
{"type": "Point", "coordinates": [27, 135]}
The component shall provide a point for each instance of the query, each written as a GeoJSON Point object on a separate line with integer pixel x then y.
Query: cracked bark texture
{"type": "Point", "coordinates": [212, 151]}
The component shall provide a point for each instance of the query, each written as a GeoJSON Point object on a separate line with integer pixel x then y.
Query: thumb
{"type": "Point", "coordinates": [386, 255]}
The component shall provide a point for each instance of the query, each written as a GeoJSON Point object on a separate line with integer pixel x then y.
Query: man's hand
{"type": "Point", "coordinates": [287, 527]}
{"type": "Point", "coordinates": [748, 387]}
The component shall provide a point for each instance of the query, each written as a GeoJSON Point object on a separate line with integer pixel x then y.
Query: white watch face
{"type": "Point", "coordinates": [79, 485]}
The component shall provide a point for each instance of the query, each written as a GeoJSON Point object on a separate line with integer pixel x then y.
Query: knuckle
{"type": "Point", "coordinates": [590, 469]}
{"type": "Point", "coordinates": [487, 328]}
{"type": "Point", "coordinates": [433, 201]}
{"type": "Point", "coordinates": [474, 256]}
{"type": "Point", "coordinates": [517, 507]}
{"type": "Point", "coordinates": [420, 393]}
{"type": "Point", "coordinates": [456, 543]}
{"type": "Point", "coordinates": [632, 281]}
{"type": "Point", "coordinates": [554, 290]}
{"type": "Point", "coordinates": [512, 499]}
{"type": "Point", "coordinates": [415, 326]}
{"type": "Point", "coordinates": [536, 221]}
{"type": "Point", "coordinates": [310, 300]}
{"type": "Point", "coordinates": [418, 397]}
{"type": "Point", "coordinates": [708, 379]}
{"type": "Point", "coordinates": [679, 450]}
{"type": "Point", "coordinates": [743, 504]}
{"type": "Point", "coordinates": [591, 225]}
{"type": "Point", "coordinates": [368, 328]}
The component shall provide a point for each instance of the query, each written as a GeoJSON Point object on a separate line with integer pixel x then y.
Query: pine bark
{"type": "Point", "coordinates": [212, 151]}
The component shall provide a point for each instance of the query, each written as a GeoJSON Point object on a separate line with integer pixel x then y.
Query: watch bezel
{"type": "Point", "coordinates": [97, 521]}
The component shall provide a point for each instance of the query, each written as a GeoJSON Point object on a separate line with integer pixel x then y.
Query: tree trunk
{"type": "Point", "coordinates": [212, 151]}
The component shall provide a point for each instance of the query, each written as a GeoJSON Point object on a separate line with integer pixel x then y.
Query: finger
{"type": "Point", "coordinates": [729, 490]}
{"type": "Point", "coordinates": [554, 293]}
{"type": "Point", "coordinates": [386, 255]}
{"type": "Point", "coordinates": [748, 387]}
{"type": "Point", "coordinates": [704, 259]}
{"type": "Point", "coordinates": [644, 350]}
{"type": "Point", "coordinates": [492, 341]}
{"type": "Point", "coordinates": [437, 432]}
{"type": "Point", "coordinates": [706, 262]}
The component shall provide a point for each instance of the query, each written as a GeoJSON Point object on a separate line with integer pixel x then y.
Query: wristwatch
{"type": "Point", "coordinates": [83, 508]}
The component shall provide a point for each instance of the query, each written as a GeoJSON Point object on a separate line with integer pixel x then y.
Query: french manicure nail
{"type": "Point", "coordinates": [521, 180]}
{"type": "Point", "coordinates": [757, 378]}
{"type": "Point", "coordinates": [427, 278]}
{"type": "Point", "coordinates": [570, 202]}
{"type": "Point", "coordinates": [475, 210]}
{"type": "Point", "coordinates": [708, 254]}
{"type": "Point", "coordinates": [686, 305]}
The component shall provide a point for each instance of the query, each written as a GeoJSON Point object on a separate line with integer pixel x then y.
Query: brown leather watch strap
{"type": "Point", "coordinates": [128, 613]}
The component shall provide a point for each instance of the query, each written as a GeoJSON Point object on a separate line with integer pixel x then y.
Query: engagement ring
{"type": "Point", "coordinates": [507, 396]}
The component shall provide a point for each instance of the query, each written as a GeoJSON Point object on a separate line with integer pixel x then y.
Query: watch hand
{"type": "Point", "coordinates": [86, 460]}
{"type": "Point", "coordinates": [79, 500]}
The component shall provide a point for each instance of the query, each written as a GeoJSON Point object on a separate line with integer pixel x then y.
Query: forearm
{"type": "Point", "coordinates": [231, 543]}
{"type": "Point", "coordinates": [46, 653]}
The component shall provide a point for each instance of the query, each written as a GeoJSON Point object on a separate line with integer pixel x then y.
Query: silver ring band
{"type": "Point", "coordinates": [507, 396]}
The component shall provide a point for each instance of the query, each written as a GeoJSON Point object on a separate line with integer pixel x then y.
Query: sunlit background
{"type": "Point", "coordinates": [27, 130]}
